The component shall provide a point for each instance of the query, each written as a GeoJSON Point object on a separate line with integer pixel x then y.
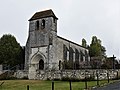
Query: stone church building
{"type": "Point", "coordinates": [46, 51]}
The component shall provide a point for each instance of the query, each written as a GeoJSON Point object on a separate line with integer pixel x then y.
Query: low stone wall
{"type": "Point", "coordinates": [78, 74]}
{"type": "Point", "coordinates": [21, 74]}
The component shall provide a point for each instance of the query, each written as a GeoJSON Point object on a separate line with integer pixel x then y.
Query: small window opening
{"type": "Point", "coordinates": [37, 25]}
{"type": "Point", "coordinates": [54, 20]}
{"type": "Point", "coordinates": [43, 24]}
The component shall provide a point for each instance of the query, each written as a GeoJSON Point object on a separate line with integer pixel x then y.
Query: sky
{"type": "Point", "coordinates": [77, 19]}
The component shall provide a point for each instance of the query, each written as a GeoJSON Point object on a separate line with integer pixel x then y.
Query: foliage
{"type": "Point", "coordinates": [68, 64]}
{"type": "Point", "coordinates": [96, 49]}
{"type": "Point", "coordinates": [70, 79]}
{"type": "Point", "coordinates": [74, 79]}
{"type": "Point", "coordinates": [108, 63]}
{"type": "Point", "coordinates": [91, 78]}
{"type": "Point", "coordinates": [11, 53]}
{"type": "Point", "coordinates": [25, 78]}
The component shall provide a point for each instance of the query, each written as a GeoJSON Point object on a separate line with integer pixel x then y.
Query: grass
{"type": "Point", "coordinates": [44, 85]}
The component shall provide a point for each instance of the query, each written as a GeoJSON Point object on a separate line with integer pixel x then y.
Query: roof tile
{"type": "Point", "coordinates": [43, 14]}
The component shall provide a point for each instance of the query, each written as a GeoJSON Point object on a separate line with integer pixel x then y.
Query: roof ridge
{"type": "Point", "coordinates": [71, 41]}
{"type": "Point", "coordinates": [44, 10]}
{"type": "Point", "coordinates": [43, 14]}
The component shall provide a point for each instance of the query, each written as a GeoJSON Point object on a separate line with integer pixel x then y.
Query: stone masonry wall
{"type": "Point", "coordinates": [78, 74]}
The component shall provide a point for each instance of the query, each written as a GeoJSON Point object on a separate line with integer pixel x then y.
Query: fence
{"type": "Point", "coordinates": [53, 84]}
{"type": "Point", "coordinates": [70, 87]}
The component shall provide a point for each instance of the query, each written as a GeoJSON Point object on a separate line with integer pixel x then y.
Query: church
{"type": "Point", "coordinates": [46, 51]}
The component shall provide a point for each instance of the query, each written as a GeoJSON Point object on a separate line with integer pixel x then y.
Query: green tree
{"type": "Point", "coordinates": [11, 53]}
{"type": "Point", "coordinates": [96, 49]}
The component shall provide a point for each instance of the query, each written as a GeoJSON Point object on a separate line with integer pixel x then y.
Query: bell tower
{"type": "Point", "coordinates": [41, 28]}
{"type": "Point", "coordinates": [42, 38]}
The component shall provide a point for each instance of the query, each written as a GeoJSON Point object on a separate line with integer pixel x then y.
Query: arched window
{"type": "Point", "coordinates": [65, 52]}
{"type": "Point", "coordinates": [86, 55]}
{"type": "Point", "coordinates": [71, 54]}
{"type": "Point", "coordinates": [43, 24]}
{"type": "Point", "coordinates": [41, 64]}
{"type": "Point", "coordinates": [76, 66]}
{"type": "Point", "coordinates": [81, 56]}
{"type": "Point", "coordinates": [37, 25]}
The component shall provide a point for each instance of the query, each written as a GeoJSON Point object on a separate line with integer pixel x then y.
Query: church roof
{"type": "Point", "coordinates": [71, 42]}
{"type": "Point", "coordinates": [43, 14]}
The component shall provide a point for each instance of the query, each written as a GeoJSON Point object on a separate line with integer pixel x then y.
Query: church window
{"type": "Point", "coordinates": [76, 66]}
{"type": "Point", "coordinates": [76, 55]}
{"type": "Point", "coordinates": [65, 49]}
{"type": "Point", "coordinates": [71, 54]}
{"type": "Point", "coordinates": [67, 55]}
{"type": "Point", "coordinates": [37, 25]}
{"type": "Point", "coordinates": [43, 24]}
{"type": "Point", "coordinates": [86, 55]}
{"type": "Point", "coordinates": [71, 58]}
{"type": "Point", "coordinates": [81, 56]}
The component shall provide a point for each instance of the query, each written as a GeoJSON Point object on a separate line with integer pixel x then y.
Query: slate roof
{"type": "Point", "coordinates": [43, 14]}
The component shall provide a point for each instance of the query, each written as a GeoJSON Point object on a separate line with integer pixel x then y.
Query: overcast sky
{"type": "Point", "coordinates": [77, 19]}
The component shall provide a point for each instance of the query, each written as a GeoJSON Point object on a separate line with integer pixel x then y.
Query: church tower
{"type": "Point", "coordinates": [40, 50]}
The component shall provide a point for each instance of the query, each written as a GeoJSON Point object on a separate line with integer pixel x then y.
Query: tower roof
{"type": "Point", "coordinates": [43, 14]}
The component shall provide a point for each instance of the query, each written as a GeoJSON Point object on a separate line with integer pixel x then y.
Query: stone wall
{"type": "Point", "coordinates": [70, 51]}
{"type": "Point", "coordinates": [78, 74]}
{"type": "Point", "coordinates": [21, 74]}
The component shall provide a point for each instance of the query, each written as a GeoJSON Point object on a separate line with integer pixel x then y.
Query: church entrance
{"type": "Point", "coordinates": [41, 64]}
{"type": "Point", "coordinates": [37, 64]}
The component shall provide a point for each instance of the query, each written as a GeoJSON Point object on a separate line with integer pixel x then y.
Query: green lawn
{"type": "Point", "coordinates": [43, 85]}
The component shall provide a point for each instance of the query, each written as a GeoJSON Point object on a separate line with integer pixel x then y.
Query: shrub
{"type": "Point", "coordinates": [56, 79]}
{"type": "Point", "coordinates": [70, 79]}
{"type": "Point", "coordinates": [25, 78]}
{"type": "Point", "coordinates": [91, 78]}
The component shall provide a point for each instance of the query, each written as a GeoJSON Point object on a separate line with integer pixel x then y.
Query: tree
{"type": "Point", "coordinates": [11, 53]}
{"type": "Point", "coordinates": [96, 49]}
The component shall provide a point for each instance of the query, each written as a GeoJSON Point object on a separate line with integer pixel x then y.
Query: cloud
{"type": "Point", "coordinates": [81, 18]}
{"type": "Point", "coordinates": [67, 4]}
